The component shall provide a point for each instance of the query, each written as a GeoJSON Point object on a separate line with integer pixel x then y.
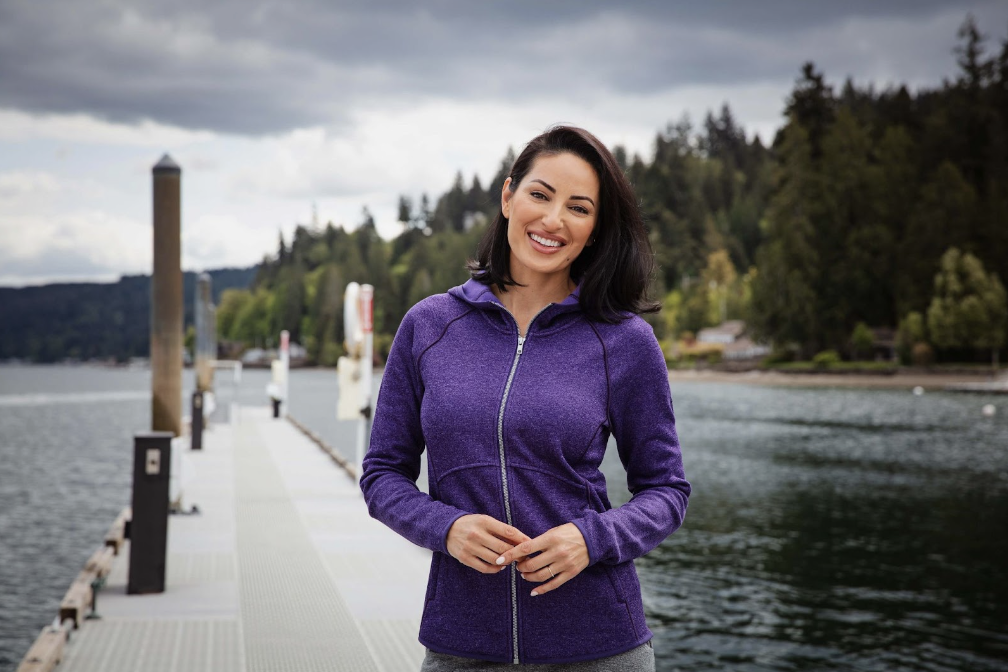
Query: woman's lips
{"type": "Point", "coordinates": [545, 244]}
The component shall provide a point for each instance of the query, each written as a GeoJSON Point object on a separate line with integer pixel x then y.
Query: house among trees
{"type": "Point", "coordinates": [732, 336]}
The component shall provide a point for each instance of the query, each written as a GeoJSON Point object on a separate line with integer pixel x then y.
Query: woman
{"type": "Point", "coordinates": [514, 382]}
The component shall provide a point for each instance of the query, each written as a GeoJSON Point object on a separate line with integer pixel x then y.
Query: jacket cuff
{"type": "Point", "coordinates": [588, 524]}
{"type": "Point", "coordinates": [454, 515]}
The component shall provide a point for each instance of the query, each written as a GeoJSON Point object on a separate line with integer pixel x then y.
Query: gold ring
{"type": "Point", "coordinates": [552, 575]}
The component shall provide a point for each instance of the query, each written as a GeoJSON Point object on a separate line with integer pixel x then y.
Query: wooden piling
{"type": "Point", "coordinates": [166, 300]}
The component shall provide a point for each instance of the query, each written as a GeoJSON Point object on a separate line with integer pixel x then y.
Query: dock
{"type": "Point", "coordinates": [282, 568]}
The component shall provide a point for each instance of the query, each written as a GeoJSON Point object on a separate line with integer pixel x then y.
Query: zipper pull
{"type": "Point", "coordinates": [521, 343]}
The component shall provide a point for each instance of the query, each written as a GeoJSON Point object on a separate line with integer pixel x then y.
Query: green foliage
{"type": "Point", "coordinates": [862, 340]}
{"type": "Point", "coordinates": [970, 307]}
{"type": "Point", "coordinates": [826, 359]}
{"type": "Point", "coordinates": [779, 356]}
{"type": "Point", "coordinates": [870, 189]}
{"type": "Point", "coordinates": [189, 342]}
{"type": "Point", "coordinates": [909, 334]}
{"type": "Point", "coordinates": [784, 297]}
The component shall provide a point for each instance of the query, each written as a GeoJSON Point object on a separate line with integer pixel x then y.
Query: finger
{"type": "Point", "coordinates": [540, 575]}
{"type": "Point", "coordinates": [520, 551]}
{"type": "Point", "coordinates": [480, 565]}
{"type": "Point", "coordinates": [539, 562]}
{"type": "Point", "coordinates": [533, 563]}
{"type": "Point", "coordinates": [489, 548]}
{"type": "Point", "coordinates": [552, 584]}
{"type": "Point", "coordinates": [497, 545]}
{"type": "Point", "coordinates": [506, 532]}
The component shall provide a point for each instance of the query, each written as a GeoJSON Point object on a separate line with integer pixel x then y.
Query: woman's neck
{"type": "Point", "coordinates": [524, 302]}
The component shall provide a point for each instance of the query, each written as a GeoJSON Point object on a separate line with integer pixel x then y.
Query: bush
{"type": "Point", "coordinates": [922, 354]}
{"type": "Point", "coordinates": [862, 340]}
{"type": "Point", "coordinates": [826, 359]}
{"type": "Point", "coordinates": [669, 349]}
{"type": "Point", "coordinates": [779, 356]}
{"type": "Point", "coordinates": [701, 352]}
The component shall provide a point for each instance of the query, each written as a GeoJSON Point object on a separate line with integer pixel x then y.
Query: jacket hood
{"type": "Point", "coordinates": [479, 295]}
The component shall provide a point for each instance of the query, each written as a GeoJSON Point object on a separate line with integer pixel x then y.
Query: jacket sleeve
{"type": "Point", "coordinates": [392, 463]}
{"type": "Point", "coordinates": [643, 424]}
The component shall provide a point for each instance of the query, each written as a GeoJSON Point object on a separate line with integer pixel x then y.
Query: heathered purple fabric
{"type": "Point", "coordinates": [576, 382]}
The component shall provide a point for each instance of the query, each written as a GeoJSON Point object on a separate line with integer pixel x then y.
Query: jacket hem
{"type": "Point", "coordinates": [540, 661]}
{"type": "Point", "coordinates": [463, 654]}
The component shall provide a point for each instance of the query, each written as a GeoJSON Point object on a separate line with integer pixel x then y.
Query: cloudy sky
{"type": "Point", "coordinates": [273, 108]}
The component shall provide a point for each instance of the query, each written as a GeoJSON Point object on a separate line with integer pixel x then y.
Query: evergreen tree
{"type": "Point", "coordinates": [784, 300]}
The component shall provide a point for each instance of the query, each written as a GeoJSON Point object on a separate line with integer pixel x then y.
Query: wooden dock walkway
{"type": "Point", "coordinates": [282, 570]}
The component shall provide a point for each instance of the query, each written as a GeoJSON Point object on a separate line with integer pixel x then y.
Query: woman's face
{"type": "Point", "coordinates": [551, 216]}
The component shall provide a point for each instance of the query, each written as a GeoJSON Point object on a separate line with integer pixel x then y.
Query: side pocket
{"type": "Point", "coordinates": [614, 580]}
{"type": "Point", "coordinates": [432, 580]}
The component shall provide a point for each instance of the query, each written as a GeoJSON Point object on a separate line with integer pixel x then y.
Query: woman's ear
{"type": "Point", "coordinates": [506, 195]}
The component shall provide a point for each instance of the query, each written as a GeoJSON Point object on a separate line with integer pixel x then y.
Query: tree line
{"type": "Point", "coordinates": [92, 321]}
{"type": "Point", "coordinates": [840, 223]}
{"type": "Point", "coordinates": [881, 209]}
{"type": "Point", "coordinates": [870, 191]}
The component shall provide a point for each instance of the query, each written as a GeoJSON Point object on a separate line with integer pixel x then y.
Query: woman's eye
{"type": "Point", "coordinates": [580, 209]}
{"type": "Point", "coordinates": [538, 195]}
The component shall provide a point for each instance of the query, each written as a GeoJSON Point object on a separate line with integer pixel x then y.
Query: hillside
{"type": "Point", "coordinates": [92, 320]}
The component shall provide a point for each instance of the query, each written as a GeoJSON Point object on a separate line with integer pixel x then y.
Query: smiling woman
{"type": "Point", "coordinates": [513, 383]}
{"type": "Point", "coordinates": [549, 226]}
{"type": "Point", "coordinates": [614, 265]}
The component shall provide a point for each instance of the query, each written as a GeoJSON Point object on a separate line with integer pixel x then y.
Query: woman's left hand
{"type": "Point", "coordinates": [562, 554]}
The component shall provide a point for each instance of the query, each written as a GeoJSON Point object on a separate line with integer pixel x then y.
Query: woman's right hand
{"type": "Point", "coordinates": [477, 541]}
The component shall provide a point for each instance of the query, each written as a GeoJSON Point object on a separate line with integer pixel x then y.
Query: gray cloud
{"type": "Point", "coordinates": [52, 265]}
{"type": "Point", "coordinates": [258, 67]}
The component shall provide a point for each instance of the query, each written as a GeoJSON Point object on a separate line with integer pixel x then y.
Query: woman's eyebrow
{"type": "Point", "coordinates": [552, 190]}
{"type": "Point", "coordinates": [545, 185]}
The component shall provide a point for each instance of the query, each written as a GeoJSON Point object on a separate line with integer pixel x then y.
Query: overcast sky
{"type": "Point", "coordinates": [271, 107]}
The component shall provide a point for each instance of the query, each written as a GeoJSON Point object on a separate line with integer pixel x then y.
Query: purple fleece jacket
{"type": "Point", "coordinates": [516, 429]}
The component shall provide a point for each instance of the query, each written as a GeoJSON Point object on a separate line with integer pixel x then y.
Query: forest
{"type": "Point", "coordinates": [869, 211]}
{"type": "Point", "coordinates": [92, 321]}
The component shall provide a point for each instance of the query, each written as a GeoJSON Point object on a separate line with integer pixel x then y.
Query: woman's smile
{"type": "Point", "coordinates": [540, 241]}
{"type": "Point", "coordinates": [551, 216]}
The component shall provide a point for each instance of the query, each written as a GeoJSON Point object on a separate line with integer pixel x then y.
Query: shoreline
{"type": "Point", "coordinates": [909, 380]}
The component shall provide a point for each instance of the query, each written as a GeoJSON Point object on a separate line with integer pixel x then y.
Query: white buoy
{"type": "Point", "coordinates": [989, 410]}
{"type": "Point", "coordinates": [918, 391]}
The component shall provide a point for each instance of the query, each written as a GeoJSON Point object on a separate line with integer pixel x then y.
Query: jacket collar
{"type": "Point", "coordinates": [479, 295]}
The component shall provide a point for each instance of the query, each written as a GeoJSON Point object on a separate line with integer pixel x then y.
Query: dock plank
{"type": "Point", "coordinates": [281, 569]}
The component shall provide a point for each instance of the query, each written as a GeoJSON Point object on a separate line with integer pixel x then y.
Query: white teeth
{"type": "Point", "coordinates": [545, 241]}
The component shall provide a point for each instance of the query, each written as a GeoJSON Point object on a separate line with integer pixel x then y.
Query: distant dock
{"type": "Point", "coordinates": [281, 569]}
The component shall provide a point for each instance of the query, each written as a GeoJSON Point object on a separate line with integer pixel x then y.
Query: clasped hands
{"type": "Point", "coordinates": [488, 546]}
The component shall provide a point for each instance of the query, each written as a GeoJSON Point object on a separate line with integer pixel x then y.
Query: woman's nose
{"type": "Point", "coordinates": [551, 219]}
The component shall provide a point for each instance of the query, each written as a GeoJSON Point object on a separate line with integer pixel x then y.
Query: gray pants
{"type": "Point", "coordinates": [640, 659]}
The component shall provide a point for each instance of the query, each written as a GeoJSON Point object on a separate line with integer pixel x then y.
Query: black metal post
{"type": "Point", "coordinates": [197, 421]}
{"type": "Point", "coordinates": [149, 528]}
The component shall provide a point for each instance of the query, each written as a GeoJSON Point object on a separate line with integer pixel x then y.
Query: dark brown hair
{"type": "Point", "coordinates": [615, 270]}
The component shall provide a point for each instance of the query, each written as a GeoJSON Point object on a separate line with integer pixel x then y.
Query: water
{"type": "Point", "coordinates": [828, 529]}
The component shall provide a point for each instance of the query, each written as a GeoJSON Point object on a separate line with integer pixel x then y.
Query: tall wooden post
{"type": "Point", "coordinates": [166, 300]}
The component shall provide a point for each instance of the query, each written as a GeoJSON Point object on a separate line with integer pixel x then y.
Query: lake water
{"type": "Point", "coordinates": [828, 529]}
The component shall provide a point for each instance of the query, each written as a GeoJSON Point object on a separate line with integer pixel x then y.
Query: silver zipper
{"type": "Point", "coordinates": [504, 482]}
